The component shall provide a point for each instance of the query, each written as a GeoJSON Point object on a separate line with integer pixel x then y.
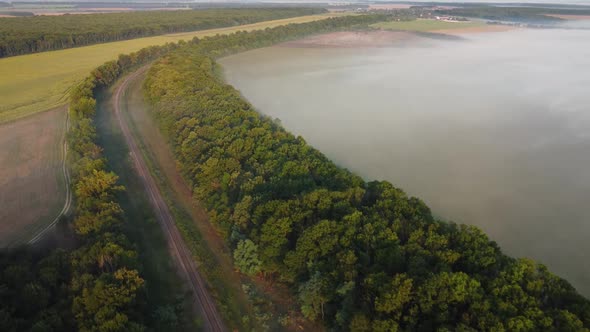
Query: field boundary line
{"type": "Point", "coordinates": [66, 174]}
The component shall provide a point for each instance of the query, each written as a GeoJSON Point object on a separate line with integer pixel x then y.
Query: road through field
{"type": "Point", "coordinates": [185, 262]}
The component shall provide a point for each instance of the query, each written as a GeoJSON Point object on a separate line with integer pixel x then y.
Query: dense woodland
{"type": "Point", "coordinates": [98, 285]}
{"type": "Point", "coordinates": [360, 256]}
{"type": "Point", "coordinates": [25, 35]}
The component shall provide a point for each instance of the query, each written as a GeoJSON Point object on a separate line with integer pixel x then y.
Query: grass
{"type": "Point", "coordinates": [164, 286]}
{"type": "Point", "coordinates": [37, 82]}
{"type": "Point", "coordinates": [422, 25]}
{"type": "Point", "coordinates": [32, 187]}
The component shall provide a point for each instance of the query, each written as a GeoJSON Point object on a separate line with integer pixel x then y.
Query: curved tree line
{"type": "Point", "coordinates": [97, 285]}
{"type": "Point", "coordinates": [361, 256]}
{"type": "Point", "coordinates": [24, 35]}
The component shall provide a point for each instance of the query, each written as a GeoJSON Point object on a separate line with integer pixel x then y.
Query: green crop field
{"type": "Point", "coordinates": [425, 25]}
{"type": "Point", "coordinates": [37, 82]}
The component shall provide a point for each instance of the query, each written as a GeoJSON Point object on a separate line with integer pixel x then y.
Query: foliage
{"type": "Point", "coordinates": [246, 257]}
{"type": "Point", "coordinates": [34, 291]}
{"type": "Point", "coordinates": [97, 286]}
{"type": "Point", "coordinates": [25, 35]}
{"type": "Point", "coordinates": [361, 255]}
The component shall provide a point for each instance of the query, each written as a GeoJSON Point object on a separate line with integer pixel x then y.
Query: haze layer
{"type": "Point", "coordinates": [492, 131]}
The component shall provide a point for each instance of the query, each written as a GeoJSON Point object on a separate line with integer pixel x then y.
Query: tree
{"type": "Point", "coordinates": [395, 297]}
{"type": "Point", "coordinates": [362, 255]}
{"type": "Point", "coordinates": [312, 296]}
{"type": "Point", "coordinates": [103, 303]}
{"type": "Point", "coordinates": [246, 257]}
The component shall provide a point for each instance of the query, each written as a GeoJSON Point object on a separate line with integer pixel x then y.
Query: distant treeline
{"type": "Point", "coordinates": [98, 285]}
{"type": "Point", "coordinates": [23, 35]}
{"type": "Point", "coordinates": [15, 13]}
{"type": "Point", "coordinates": [514, 14]}
{"type": "Point", "coordinates": [361, 256]}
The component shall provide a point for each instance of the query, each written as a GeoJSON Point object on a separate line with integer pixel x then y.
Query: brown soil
{"type": "Point", "coordinates": [480, 29]}
{"type": "Point", "coordinates": [31, 184]}
{"type": "Point", "coordinates": [354, 39]}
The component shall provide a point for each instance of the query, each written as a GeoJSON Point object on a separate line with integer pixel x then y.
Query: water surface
{"type": "Point", "coordinates": [493, 131]}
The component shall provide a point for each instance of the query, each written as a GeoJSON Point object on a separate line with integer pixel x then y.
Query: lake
{"type": "Point", "coordinates": [493, 130]}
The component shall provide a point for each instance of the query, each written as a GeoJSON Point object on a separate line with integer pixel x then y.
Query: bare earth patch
{"type": "Point", "coordinates": [31, 184]}
{"type": "Point", "coordinates": [354, 39]}
{"type": "Point", "coordinates": [479, 29]}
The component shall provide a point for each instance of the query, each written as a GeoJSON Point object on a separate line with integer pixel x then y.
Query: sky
{"type": "Point", "coordinates": [571, 2]}
{"type": "Point", "coordinates": [578, 2]}
{"type": "Point", "coordinates": [568, 2]}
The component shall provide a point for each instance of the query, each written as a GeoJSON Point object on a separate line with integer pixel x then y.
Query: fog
{"type": "Point", "coordinates": [492, 131]}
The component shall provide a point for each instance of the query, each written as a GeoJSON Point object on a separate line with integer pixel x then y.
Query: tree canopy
{"type": "Point", "coordinates": [23, 35]}
{"type": "Point", "coordinates": [361, 256]}
{"type": "Point", "coordinates": [96, 286]}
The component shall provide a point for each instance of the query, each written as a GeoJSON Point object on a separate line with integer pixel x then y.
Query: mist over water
{"type": "Point", "coordinates": [492, 131]}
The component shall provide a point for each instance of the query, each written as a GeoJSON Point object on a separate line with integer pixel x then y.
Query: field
{"type": "Point", "coordinates": [425, 25]}
{"type": "Point", "coordinates": [31, 182]}
{"type": "Point", "coordinates": [570, 17]}
{"type": "Point", "coordinates": [354, 39]}
{"type": "Point", "coordinates": [37, 82]}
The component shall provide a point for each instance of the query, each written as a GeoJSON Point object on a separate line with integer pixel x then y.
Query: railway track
{"type": "Point", "coordinates": [178, 249]}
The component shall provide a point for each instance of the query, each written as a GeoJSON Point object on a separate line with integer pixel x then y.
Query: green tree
{"type": "Point", "coordinates": [313, 297]}
{"type": "Point", "coordinates": [246, 257]}
{"type": "Point", "coordinates": [395, 297]}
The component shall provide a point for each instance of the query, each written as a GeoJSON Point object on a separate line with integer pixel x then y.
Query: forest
{"type": "Point", "coordinates": [24, 35]}
{"type": "Point", "coordinates": [97, 285]}
{"type": "Point", "coordinates": [360, 256]}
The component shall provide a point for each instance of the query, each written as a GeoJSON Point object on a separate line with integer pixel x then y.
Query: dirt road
{"type": "Point", "coordinates": [185, 263]}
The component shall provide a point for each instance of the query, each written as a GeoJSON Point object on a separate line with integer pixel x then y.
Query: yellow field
{"type": "Point", "coordinates": [37, 82]}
